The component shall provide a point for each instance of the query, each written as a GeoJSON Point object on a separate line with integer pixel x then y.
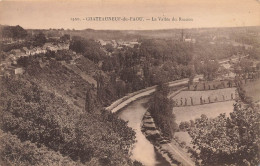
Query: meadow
{"type": "Point", "coordinates": [210, 110]}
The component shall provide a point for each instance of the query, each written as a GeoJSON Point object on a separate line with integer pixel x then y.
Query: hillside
{"type": "Point", "coordinates": [37, 108]}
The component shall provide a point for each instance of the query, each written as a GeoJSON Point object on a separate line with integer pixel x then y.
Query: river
{"type": "Point", "coordinates": [143, 150]}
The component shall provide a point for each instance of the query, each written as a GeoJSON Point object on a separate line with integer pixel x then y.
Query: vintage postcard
{"type": "Point", "coordinates": [130, 82]}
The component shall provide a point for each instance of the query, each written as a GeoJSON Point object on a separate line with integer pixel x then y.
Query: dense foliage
{"type": "Point", "coordinates": [209, 69]}
{"type": "Point", "coordinates": [89, 48]}
{"type": "Point", "coordinates": [15, 152]}
{"type": "Point", "coordinates": [44, 119]}
{"type": "Point", "coordinates": [230, 140]}
{"type": "Point", "coordinates": [15, 32]}
{"type": "Point", "coordinates": [39, 40]}
{"type": "Point", "coordinates": [160, 107]}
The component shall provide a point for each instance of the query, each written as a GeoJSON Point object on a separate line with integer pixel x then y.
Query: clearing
{"type": "Point", "coordinates": [210, 110]}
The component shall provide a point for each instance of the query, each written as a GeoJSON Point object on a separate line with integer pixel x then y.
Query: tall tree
{"type": "Point", "coordinates": [100, 86]}
{"type": "Point", "coordinates": [89, 101]}
{"type": "Point", "coordinates": [160, 107]}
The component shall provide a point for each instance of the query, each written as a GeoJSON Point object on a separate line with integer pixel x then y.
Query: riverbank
{"type": "Point", "coordinates": [129, 98]}
{"type": "Point", "coordinates": [143, 150]}
{"type": "Point", "coordinates": [153, 135]}
{"type": "Point", "coordinates": [169, 149]}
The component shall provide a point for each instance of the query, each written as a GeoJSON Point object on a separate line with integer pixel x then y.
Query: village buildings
{"type": "Point", "coordinates": [9, 65]}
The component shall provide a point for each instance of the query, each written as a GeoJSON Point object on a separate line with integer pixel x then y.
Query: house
{"type": "Point", "coordinates": [18, 71]}
{"type": "Point", "coordinates": [190, 40]}
{"type": "Point", "coordinates": [101, 42]}
{"type": "Point", "coordinates": [26, 51]}
{"type": "Point", "coordinates": [114, 43]}
{"type": "Point", "coordinates": [50, 47]}
{"type": "Point", "coordinates": [14, 70]}
{"type": "Point", "coordinates": [133, 43]}
{"type": "Point", "coordinates": [63, 46]}
{"type": "Point", "coordinates": [33, 51]}
{"type": "Point", "coordinates": [40, 50]}
{"type": "Point", "coordinates": [16, 52]}
{"type": "Point", "coordinates": [76, 56]}
{"type": "Point", "coordinates": [13, 58]}
{"type": "Point", "coordinates": [47, 45]}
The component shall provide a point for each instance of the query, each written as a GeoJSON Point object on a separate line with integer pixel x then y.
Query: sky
{"type": "Point", "coordinates": [45, 14]}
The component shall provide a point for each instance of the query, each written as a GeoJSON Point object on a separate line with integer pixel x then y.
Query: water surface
{"type": "Point", "coordinates": [143, 150]}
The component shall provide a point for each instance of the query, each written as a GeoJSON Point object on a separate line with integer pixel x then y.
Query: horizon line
{"type": "Point", "coordinates": [206, 27]}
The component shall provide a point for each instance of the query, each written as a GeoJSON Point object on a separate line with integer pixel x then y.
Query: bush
{"type": "Point", "coordinates": [184, 126]}
{"type": "Point", "coordinates": [183, 144]}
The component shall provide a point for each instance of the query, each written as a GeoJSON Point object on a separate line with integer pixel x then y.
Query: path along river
{"type": "Point", "coordinates": [143, 150]}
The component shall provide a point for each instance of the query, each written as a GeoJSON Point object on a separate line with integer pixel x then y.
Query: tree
{"type": "Point", "coordinates": [65, 38]}
{"type": "Point", "coordinates": [147, 74]}
{"type": "Point", "coordinates": [245, 65]}
{"type": "Point", "coordinates": [209, 69]}
{"type": "Point", "coordinates": [107, 64]}
{"type": "Point", "coordinates": [229, 140]}
{"type": "Point", "coordinates": [39, 39]}
{"type": "Point", "coordinates": [89, 101]}
{"type": "Point", "coordinates": [23, 61]}
{"type": "Point", "coordinates": [160, 108]}
{"type": "Point", "coordinates": [109, 47]}
{"type": "Point", "coordinates": [89, 48]}
{"type": "Point", "coordinates": [184, 126]}
{"type": "Point", "coordinates": [77, 45]}
{"type": "Point", "coordinates": [100, 86]}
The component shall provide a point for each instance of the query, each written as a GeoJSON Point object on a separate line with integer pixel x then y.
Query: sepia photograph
{"type": "Point", "coordinates": [129, 83]}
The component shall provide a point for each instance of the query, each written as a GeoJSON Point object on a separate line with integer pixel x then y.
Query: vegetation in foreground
{"type": "Point", "coordinates": [233, 140]}
{"type": "Point", "coordinates": [32, 117]}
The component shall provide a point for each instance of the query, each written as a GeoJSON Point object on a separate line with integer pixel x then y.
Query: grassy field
{"type": "Point", "coordinates": [214, 95]}
{"type": "Point", "coordinates": [210, 110]}
{"type": "Point", "coordinates": [253, 90]}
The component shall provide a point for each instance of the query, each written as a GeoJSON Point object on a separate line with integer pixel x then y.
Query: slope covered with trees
{"type": "Point", "coordinates": [45, 120]}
